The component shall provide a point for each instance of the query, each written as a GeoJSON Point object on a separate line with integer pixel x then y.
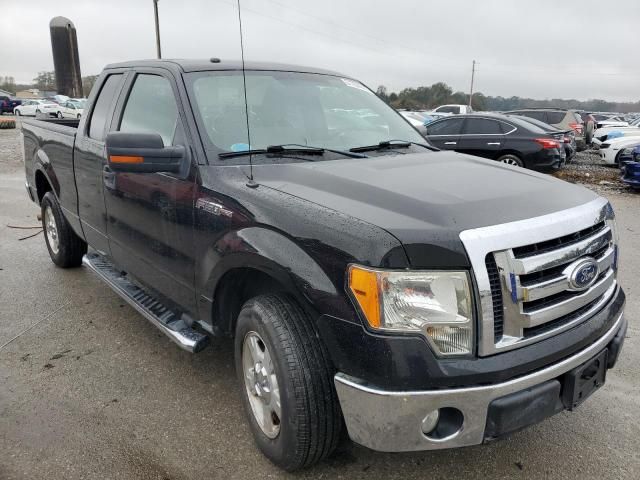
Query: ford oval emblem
{"type": "Point", "coordinates": [583, 273]}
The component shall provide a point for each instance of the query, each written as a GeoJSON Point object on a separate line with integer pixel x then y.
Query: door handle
{"type": "Point", "coordinates": [450, 143]}
{"type": "Point", "coordinates": [493, 143]}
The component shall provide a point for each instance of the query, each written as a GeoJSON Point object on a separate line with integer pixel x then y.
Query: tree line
{"type": "Point", "coordinates": [45, 82]}
{"type": "Point", "coordinates": [427, 98]}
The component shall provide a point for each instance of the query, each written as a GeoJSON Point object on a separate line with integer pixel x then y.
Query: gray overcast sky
{"type": "Point", "coordinates": [543, 49]}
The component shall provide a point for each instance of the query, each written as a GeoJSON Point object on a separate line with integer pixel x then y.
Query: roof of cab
{"type": "Point", "coordinates": [201, 65]}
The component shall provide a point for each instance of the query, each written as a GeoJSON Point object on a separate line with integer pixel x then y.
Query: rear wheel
{"type": "Point", "coordinates": [287, 382]}
{"type": "Point", "coordinates": [66, 249]}
{"type": "Point", "coordinates": [17, 112]}
{"type": "Point", "coordinates": [511, 159]}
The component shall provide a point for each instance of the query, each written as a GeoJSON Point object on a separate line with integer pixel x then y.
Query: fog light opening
{"type": "Point", "coordinates": [430, 421]}
{"type": "Point", "coordinates": [442, 424]}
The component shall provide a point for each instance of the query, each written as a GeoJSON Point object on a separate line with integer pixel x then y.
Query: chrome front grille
{"type": "Point", "coordinates": [526, 274]}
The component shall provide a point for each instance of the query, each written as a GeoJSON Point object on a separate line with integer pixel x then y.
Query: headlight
{"type": "Point", "coordinates": [436, 304]}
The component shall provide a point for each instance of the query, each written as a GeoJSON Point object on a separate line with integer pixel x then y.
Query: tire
{"type": "Point", "coordinates": [59, 115]}
{"type": "Point", "coordinates": [78, 117]}
{"type": "Point", "coordinates": [16, 112]}
{"type": "Point", "coordinates": [308, 427]}
{"type": "Point", "coordinates": [511, 159]}
{"type": "Point", "coordinates": [38, 111]}
{"type": "Point", "coordinates": [66, 249]}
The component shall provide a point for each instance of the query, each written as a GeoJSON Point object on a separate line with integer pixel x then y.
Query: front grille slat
{"type": "Point", "coordinates": [530, 285]}
{"type": "Point", "coordinates": [496, 295]}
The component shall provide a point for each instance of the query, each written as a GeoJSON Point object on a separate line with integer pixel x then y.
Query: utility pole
{"type": "Point", "coordinates": [473, 73]}
{"type": "Point", "coordinates": [155, 11]}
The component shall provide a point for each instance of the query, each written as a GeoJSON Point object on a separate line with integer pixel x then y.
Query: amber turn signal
{"type": "Point", "coordinates": [125, 159]}
{"type": "Point", "coordinates": [364, 287]}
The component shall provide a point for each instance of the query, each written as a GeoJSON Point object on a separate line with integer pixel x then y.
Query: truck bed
{"type": "Point", "coordinates": [49, 147]}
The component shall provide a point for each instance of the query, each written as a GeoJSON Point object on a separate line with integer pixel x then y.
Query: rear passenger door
{"type": "Point", "coordinates": [150, 215]}
{"type": "Point", "coordinates": [89, 159]}
{"type": "Point", "coordinates": [482, 137]}
{"type": "Point", "coordinates": [445, 133]}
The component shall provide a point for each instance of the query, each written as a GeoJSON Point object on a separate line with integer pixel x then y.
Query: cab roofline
{"type": "Point", "coordinates": [202, 65]}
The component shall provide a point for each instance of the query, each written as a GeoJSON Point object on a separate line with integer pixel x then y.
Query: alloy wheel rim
{"type": "Point", "coordinates": [51, 230]}
{"type": "Point", "coordinates": [511, 161]}
{"type": "Point", "coordinates": [261, 384]}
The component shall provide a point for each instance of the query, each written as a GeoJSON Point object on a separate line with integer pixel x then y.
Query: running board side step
{"type": "Point", "coordinates": [153, 310]}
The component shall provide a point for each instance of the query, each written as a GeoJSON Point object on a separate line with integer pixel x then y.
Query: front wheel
{"type": "Point", "coordinates": [59, 115]}
{"type": "Point", "coordinates": [78, 117]}
{"type": "Point", "coordinates": [511, 159]}
{"type": "Point", "coordinates": [66, 249]}
{"type": "Point", "coordinates": [287, 382]}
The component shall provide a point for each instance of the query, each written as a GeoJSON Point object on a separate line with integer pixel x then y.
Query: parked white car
{"type": "Point", "coordinates": [632, 130]}
{"type": "Point", "coordinates": [611, 149]}
{"type": "Point", "coordinates": [73, 108]}
{"type": "Point", "coordinates": [453, 109]}
{"type": "Point", "coordinates": [33, 107]}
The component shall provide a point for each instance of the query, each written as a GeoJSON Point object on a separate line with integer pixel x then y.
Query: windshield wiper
{"type": "Point", "coordinates": [290, 148]}
{"type": "Point", "coordinates": [391, 144]}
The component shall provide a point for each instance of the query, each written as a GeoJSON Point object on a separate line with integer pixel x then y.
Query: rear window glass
{"type": "Point", "coordinates": [98, 122]}
{"type": "Point", "coordinates": [555, 117]}
{"type": "Point", "coordinates": [450, 126]}
{"type": "Point", "coordinates": [533, 114]}
{"type": "Point", "coordinates": [451, 109]}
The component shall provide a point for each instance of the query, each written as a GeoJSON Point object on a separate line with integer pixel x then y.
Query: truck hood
{"type": "Point", "coordinates": [425, 198]}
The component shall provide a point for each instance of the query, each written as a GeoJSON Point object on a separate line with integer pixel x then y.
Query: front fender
{"type": "Point", "coordinates": [272, 253]}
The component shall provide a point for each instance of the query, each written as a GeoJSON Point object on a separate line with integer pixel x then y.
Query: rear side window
{"type": "Point", "coordinates": [578, 117]}
{"type": "Point", "coordinates": [482, 126]}
{"type": "Point", "coordinates": [151, 108]}
{"type": "Point", "coordinates": [534, 114]}
{"type": "Point", "coordinates": [450, 126]}
{"type": "Point", "coordinates": [98, 121]}
{"type": "Point", "coordinates": [555, 117]}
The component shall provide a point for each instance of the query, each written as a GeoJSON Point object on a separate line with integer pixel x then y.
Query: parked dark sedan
{"type": "Point", "coordinates": [567, 137]}
{"type": "Point", "coordinates": [498, 137]}
{"type": "Point", "coordinates": [7, 104]}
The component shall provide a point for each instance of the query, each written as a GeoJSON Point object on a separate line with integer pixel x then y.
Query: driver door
{"type": "Point", "coordinates": [150, 215]}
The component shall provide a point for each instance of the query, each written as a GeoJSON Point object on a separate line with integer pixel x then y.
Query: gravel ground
{"type": "Point", "coordinates": [90, 390]}
{"type": "Point", "coordinates": [588, 169]}
{"type": "Point", "coordinates": [11, 148]}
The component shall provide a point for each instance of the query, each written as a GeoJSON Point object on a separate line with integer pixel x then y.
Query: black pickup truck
{"type": "Point", "coordinates": [420, 299]}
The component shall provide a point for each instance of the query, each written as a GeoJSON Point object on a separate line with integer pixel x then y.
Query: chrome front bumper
{"type": "Point", "coordinates": [391, 421]}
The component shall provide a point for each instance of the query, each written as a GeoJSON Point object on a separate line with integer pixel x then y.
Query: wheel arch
{"type": "Point", "coordinates": [45, 179]}
{"type": "Point", "coordinates": [261, 261]}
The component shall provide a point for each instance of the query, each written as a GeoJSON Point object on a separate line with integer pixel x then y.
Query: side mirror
{"type": "Point", "coordinates": [142, 152]}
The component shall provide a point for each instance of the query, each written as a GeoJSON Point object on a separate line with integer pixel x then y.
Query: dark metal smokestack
{"type": "Point", "coordinates": [65, 57]}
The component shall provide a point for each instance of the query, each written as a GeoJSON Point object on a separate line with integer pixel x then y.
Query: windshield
{"type": "Point", "coordinates": [291, 108]}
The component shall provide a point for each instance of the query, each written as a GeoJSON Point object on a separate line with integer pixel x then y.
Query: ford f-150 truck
{"type": "Point", "coordinates": [419, 299]}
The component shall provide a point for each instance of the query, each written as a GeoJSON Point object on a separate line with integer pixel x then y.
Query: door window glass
{"type": "Point", "coordinates": [450, 126]}
{"type": "Point", "coordinates": [151, 108]}
{"type": "Point", "coordinates": [482, 126]}
{"type": "Point", "coordinates": [98, 120]}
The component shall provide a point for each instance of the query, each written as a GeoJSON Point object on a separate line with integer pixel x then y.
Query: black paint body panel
{"type": "Point", "coordinates": [301, 224]}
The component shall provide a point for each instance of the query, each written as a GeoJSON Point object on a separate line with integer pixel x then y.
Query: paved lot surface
{"type": "Point", "coordinates": [89, 389]}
